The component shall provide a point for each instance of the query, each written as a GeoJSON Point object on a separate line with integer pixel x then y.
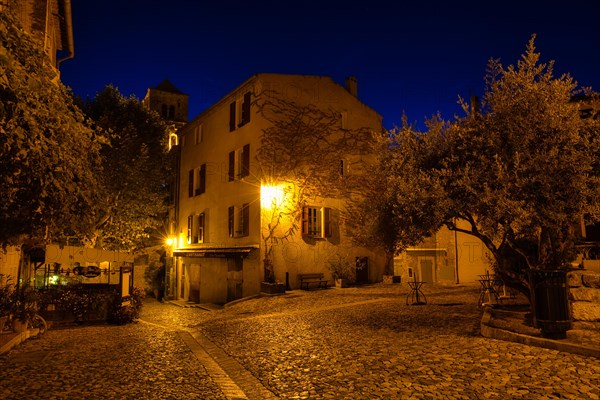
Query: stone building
{"type": "Point", "coordinates": [225, 194]}
{"type": "Point", "coordinates": [49, 21]}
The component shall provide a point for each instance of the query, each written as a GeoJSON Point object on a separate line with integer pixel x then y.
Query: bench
{"type": "Point", "coordinates": [316, 279]}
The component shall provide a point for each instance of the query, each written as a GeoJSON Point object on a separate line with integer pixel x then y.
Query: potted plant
{"type": "Point", "coordinates": [24, 308]}
{"type": "Point", "coordinates": [343, 271]}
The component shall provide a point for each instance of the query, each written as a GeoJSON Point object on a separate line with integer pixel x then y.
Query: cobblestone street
{"type": "Point", "coordinates": [355, 343]}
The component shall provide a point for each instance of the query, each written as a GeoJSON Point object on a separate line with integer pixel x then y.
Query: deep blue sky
{"type": "Point", "coordinates": [415, 57]}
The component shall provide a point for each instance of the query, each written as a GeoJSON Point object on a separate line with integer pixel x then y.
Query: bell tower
{"type": "Point", "coordinates": [168, 101]}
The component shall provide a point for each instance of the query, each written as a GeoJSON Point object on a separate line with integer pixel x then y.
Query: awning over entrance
{"type": "Point", "coordinates": [215, 252]}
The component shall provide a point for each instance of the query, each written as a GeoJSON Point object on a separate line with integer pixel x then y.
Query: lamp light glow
{"type": "Point", "coordinates": [271, 196]}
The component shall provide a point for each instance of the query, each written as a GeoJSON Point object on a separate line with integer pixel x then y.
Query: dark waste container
{"type": "Point", "coordinates": [550, 302]}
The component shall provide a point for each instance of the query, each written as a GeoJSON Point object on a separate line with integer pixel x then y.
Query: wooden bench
{"type": "Point", "coordinates": [316, 279]}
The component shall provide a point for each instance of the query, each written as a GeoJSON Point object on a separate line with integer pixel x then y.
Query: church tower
{"type": "Point", "coordinates": [169, 102]}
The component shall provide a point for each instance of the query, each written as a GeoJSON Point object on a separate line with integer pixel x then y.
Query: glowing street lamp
{"type": "Point", "coordinates": [271, 196]}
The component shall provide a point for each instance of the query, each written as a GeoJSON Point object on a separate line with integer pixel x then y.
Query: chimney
{"type": "Point", "coordinates": [474, 106]}
{"type": "Point", "coordinates": [352, 86]}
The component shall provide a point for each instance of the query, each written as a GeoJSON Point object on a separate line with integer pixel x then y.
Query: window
{"type": "Point", "coordinates": [196, 228]}
{"type": "Point", "coordinates": [201, 226]}
{"type": "Point", "coordinates": [198, 134]}
{"type": "Point", "coordinates": [200, 186]}
{"type": "Point", "coordinates": [190, 230]}
{"type": "Point", "coordinates": [239, 113]}
{"type": "Point", "coordinates": [239, 163]}
{"type": "Point", "coordinates": [243, 220]}
{"type": "Point", "coordinates": [344, 119]}
{"type": "Point", "coordinates": [171, 112]}
{"type": "Point", "coordinates": [245, 110]}
{"type": "Point", "coordinates": [191, 183]}
{"type": "Point", "coordinates": [163, 110]}
{"type": "Point", "coordinates": [343, 166]}
{"type": "Point", "coordinates": [316, 222]}
{"type": "Point", "coordinates": [238, 220]}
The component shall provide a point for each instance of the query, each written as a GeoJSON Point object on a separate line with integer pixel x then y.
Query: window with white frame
{"type": "Point", "coordinates": [198, 134]}
{"type": "Point", "coordinates": [196, 228]}
{"type": "Point", "coordinates": [239, 163]}
{"type": "Point", "coordinates": [316, 222]}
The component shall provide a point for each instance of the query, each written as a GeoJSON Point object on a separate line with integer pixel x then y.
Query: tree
{"type": "Point", "coordinates": [521, 171]}
{"type": "Point", "coordinates": [299, 158]}
{"type": "Point", "coordinates": [49, 153]}
{"type": "Point", "coordinates": [136, 169]}
{"type": "Point", "coordinates": [394, 213]}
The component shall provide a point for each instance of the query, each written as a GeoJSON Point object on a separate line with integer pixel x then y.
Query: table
{"type": "Point", "coordinates": [488, 290]}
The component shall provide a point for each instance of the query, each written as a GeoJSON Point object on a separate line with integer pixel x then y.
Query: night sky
{"type": "Point", "coordinates": [414, 57]}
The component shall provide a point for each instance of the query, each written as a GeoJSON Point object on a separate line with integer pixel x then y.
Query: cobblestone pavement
{"type": "Point", "coordinates": [136, 361]}
{"type": "Point", "coordinates": [355, 343]}
{"type": "Point", "coordinates": [366, 343]}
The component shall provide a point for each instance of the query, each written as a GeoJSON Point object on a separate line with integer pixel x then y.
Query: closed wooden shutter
{"type": "Point", "coordinates": [231, 171]}
{"type": "Point", "coordinates": [191, 183]}
{"type": "Point", "coordinates": [246, 108]}
{"type": "Point", "coordinates": [246, 219]}
{"type": "Point", "coordinates": [246, 161]}
{"type": "Point", "coordinates": [305, 220]}
{"type": "Point", "coordinates": [202, 177]}
{"type": "Point", "coordinates": [232, 117]}
{"type": "Point", "coordinates": [327, 222]}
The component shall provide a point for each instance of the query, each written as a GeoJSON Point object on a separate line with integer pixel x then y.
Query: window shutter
{"type": "Point", "coordinates": [190, 228]}
{"type": "Point", "coordinates": [201, 228]}
{"type": "Point", "coordinates": [202, 176]}
{"type": "Point", "coordinates": [230, 221]}
{"type": "Point", "coordinates": [327, 222]}
{"type": "Point", "coordinates": [231, 172]}
{"type": "Point", "coordinates": [246, 160]}
{"type": "Point", "coordinates": [246, 219]}
{"type": "Point", "coordinates": [191, 183]}
{"type": "Point", "coordinates": [305, 220]}
{"type": "Point", "coordinates": [232, 117]}
{"type": "Point", "coordinates": [246, 108]}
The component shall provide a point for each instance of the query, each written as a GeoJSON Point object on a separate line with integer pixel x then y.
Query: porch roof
{"type": "Point", "coordinates": [216, 252]}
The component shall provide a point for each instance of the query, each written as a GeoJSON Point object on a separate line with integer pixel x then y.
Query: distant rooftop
{"type": "Point", "coordinates": [167, 86]}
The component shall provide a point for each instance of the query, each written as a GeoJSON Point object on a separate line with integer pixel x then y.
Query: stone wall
{"type": "Point", "coordinates": [585, 295]}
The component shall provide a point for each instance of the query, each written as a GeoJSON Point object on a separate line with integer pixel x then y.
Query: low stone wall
{"type": "Point", "coordinates": [584, 289]}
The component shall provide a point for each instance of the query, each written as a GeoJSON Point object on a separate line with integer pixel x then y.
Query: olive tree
{"type": "Point", "coordinates": [521, 170]}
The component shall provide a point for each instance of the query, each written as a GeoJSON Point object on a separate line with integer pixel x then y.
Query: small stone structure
{"type": "Point", "coordinates": [585, 295]}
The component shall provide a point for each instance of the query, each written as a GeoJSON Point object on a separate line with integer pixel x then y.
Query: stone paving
{"type": "Point", "coordinates": [136, 361]}
{"type": "Point", "coordinates": [355, 343]}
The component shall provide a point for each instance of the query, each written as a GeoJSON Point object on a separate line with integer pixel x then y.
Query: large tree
{"type": "Point", "coordinates": [521, 170]}
{"type": "Point", "coordinates": [49, 154]}
{"type": "Point", "coordinates": [135, 173]}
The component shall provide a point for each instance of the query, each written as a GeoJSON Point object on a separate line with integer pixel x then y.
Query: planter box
{"type": "Point", "coordinates": [391, 279]}
{"type": "Point", "coordinates": [272, 288]}
{"type": "Point", "coordinates": [341, 283]}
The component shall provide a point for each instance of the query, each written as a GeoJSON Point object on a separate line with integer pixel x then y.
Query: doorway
{"type": "Point", "coordinates": [235, 278]}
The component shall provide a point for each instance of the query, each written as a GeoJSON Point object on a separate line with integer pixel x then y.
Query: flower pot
{"type": "Point", "coordinates": [272, 288]}
{"type": "Point", "coordinates": [19, 326]}
{"type": "Point", "coordinates": [341, 283]}
{"type": "Point", "coordinates": [391, 279]}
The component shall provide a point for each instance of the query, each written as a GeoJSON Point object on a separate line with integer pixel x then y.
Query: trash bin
{"type": "Point", "coordinates": [550, 302]}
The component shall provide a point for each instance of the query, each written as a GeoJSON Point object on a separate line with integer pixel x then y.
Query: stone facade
{"type": "Point", "coordinates": [222, 200]}
{"type": "Point", "coordinates": [584, 289]}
